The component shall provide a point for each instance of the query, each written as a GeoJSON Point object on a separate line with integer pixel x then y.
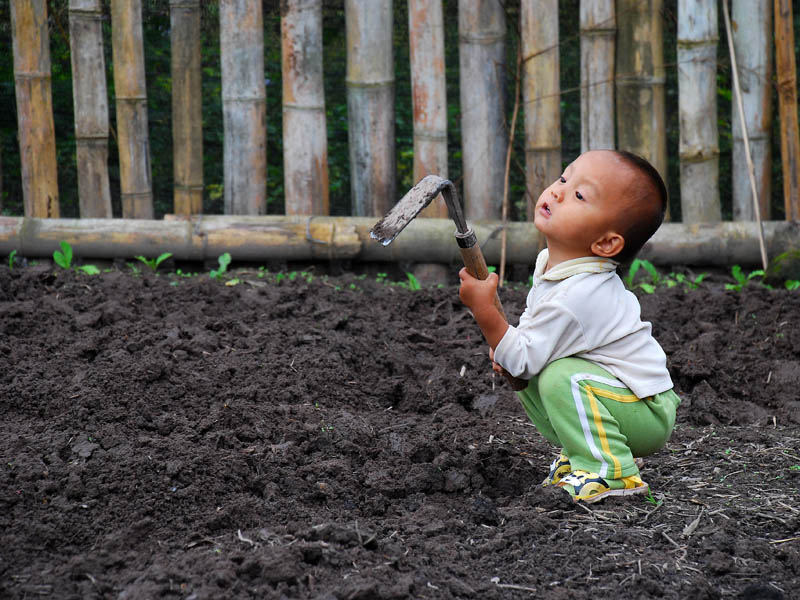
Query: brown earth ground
{"type": "Point", "coordinates": [342, 438]}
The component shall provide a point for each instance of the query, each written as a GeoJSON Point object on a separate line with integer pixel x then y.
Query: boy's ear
{"type": "Point", "coordinates": [608, 245]}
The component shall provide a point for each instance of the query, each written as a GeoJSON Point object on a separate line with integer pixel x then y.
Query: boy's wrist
{"type": "Point", "coordinates": [491, 323]}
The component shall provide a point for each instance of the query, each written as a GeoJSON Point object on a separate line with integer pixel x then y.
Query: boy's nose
{"type": "Point", "coordinates": [557, 194]}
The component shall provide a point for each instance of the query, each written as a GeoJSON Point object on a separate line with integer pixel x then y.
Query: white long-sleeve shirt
{"type": "Point", "coordinates": [581, 308]}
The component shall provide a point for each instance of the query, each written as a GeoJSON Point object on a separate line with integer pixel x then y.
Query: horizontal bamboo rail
{"type": "Point", "coordinates": [314, 238]}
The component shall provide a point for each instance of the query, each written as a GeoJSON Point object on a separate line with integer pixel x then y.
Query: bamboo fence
{"type": "Point", "coordinates": [697, 110]}
{"type": "Point", "coordinates": [622, 97]}
{"type": "Point", "coordinates": [752, 40]}
{"type": "Point", "coordinates": [370, 105]}
{"type": "Point", "coordinates": [187, 106]}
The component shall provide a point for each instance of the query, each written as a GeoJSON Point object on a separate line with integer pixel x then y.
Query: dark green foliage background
{"type": "Point", "coordinates": [157, 58]}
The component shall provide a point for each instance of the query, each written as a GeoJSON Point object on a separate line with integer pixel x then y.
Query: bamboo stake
{"type": "Point", "coordinates": [428, 93]}
{"type": "Point", "coordinates": [750, 169]}
{"type": "Point", "coordinates": [37, 142]}
{"type": "Point", "coordinates": [541, 96]}
{"type": "Point", "coordinates": [482, 32]}
{"type": "Point", "coordinates": [90, 99]}
{"type": "Point", "coordinates": [244, 107]}
{"type": "Point", "coordinates": [598, 31]}
{"type": "Point", "coordinates": [752, 43]}
{"type": "Point", "coordinates": [786, 71]}
{"type": "Point", "coordinates": [305, 141]}
{"type": "Point", "coordinates": [370, 105]}
{"type": "Point", "coordinates": [512, 130]}
{"type": "Point", "coordinates": [132, 135]}
{"type": "Point", "coordinates": [697, 106]}
{"type": "Point", "coordinates": [640, 80]}
{"type": "Point", "coordinates": [187, 108]}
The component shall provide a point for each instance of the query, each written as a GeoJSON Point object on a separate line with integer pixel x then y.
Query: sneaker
{"type": "Point", "coordinates": [558, 470]}
{"type": "Point", "coordinates": [590, 487]}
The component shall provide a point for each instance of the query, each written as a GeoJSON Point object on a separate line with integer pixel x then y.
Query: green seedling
{"type": "Point", "coordinates": [689, 284]}
{"type": "Point", "coordinates": [381, 277]}
{"type": "Point", "coordinates": [154, 262]}
{"type": "Point", "coordinates": [741, 279]}
{"type": "Point", "coordinates": [792, 284]}
{"type": "Point", "coordinates": [413, 282]}
{"type": "Point", "coordinates": [224, 260]}
{"type": "Point", "coordinates": [64, 260]}
{"type": "Point", "coordinates": [652, 499]}
{"type": "Point", "coordinates": [647, 287]}
{"type": "Point", "coordinates": [11, 258]}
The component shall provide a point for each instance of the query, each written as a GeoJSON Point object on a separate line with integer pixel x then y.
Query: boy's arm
{"type": "Point", "coordinates": [479, 297]}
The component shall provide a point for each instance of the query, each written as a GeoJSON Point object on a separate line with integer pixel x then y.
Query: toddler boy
{"type": "Point", "coordinates": [598, 383]}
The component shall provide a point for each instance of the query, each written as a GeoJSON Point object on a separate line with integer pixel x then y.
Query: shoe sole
{"type": "Point", "coordinates": [642, 489]}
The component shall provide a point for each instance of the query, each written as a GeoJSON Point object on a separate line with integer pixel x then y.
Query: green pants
{"type": "Point", "coordinates": [600, 424]}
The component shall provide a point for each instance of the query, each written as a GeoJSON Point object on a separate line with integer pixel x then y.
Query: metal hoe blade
{"type": "Point", "coordinates": [413, 203]}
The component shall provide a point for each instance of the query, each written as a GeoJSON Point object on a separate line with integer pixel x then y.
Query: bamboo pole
{"type": "Point", "coordinates": [752, 42]}
{"type": "Point", "coordinates": [541, 97]}
{"type": "Point", "coordinates": [786, 72]}
{"type": "Point", "coordinates": [697, 108]}
{"type": "Point", "coordinates": [244, 107]}
{"type": "Point", "coordinates": [428, 94]}
{"type": "Point", "coordinates": [598, 33]}
{"type": "Point", "coordinates": [37, 142]}
{"type": "Point", "coordinates": [370, 105]}
{"type": "Point", "coordinates": [187, 108]}
{"type": "Point", "coordinates": [305, 141]}
{"type": "Point", "coordinates": [90, 99]}
{"type": "Point", "coordinates": [304, 238]}
{"type": "Point", "coordinates": [482, 63]}
{"type": "Point", "coordinates": [640, 80]}
{"type": "Point", "coordinates": [740, 111]}
{"type": "Point", "coordinates": [131, 91]}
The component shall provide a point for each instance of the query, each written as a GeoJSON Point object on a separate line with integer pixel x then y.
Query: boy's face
{"type": "Point", "coordinates": [581, 212]}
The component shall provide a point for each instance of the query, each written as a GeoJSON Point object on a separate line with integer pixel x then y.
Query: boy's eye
{"type": "Point", "coordinates": [562, 179]}
{"type": "Point", "coordinates": [579, 196]}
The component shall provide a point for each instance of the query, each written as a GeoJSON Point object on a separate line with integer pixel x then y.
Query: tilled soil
{"type": "Point", "coordinates": [342, 438]}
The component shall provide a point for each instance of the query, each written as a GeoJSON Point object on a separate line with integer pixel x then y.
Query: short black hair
{"type": "Point", "coordinates": [650, 197]}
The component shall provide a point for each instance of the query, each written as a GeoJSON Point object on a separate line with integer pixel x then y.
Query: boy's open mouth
{"type": "Point", "coordinates": [546, 208]}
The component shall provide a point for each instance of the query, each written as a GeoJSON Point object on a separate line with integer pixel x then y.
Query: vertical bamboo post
{"type": "Point", "coordinates": [305, 141]}
{"type": "Point", "coordinates": [786, 71]}
{"type": "Point", "coordinates": [132, 136]}
{"type": "Point", "coordinates": [752, 33]}
{"type": "Point", "coordinates": [428, 93]}
{"type": "Point", "coordinates": [598, 32]}
{"type": "Point", "coordinates": [187, 109]}
{"type": "Point", "coordinates": [244, 107]}
{"type": "Point", "coordinates": [640, 79]}
{"type": "Point", "coordinates": [697, 107]}
{"type": "Point", "coordinates": [541, 96]}
{"type": "Point", "coordinates": [37, 141]}
{"type": "Point", "coordinates": [91, 107]}
{"type": "Point", "coordinates": [482, 65]}
{"type": "Point", "coordinates": [370, 105]}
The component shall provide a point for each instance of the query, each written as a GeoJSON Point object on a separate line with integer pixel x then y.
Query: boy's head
{"type": "Point", "coordinates": [606, 203]}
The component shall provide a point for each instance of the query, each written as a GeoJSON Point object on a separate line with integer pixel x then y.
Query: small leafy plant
{"type": "Point", "coordinates": [224, 260]}
{"type": "Point", "coordinates": [413, 282]}
{"type": "Point", "coordinates": [154, 262]}
{"type": "Point", "coordinates": [11, 258]}
{"type": "Point", "coordinates": [792, 284]}
{"type": "Point", "coordinates": [741, 279]}
{"type": "Point", "coordinates": [64, 260]}
{"type": "Point", "coordinates": [652, 499]}
{"type": "Point", "coordinates": [648, 287]}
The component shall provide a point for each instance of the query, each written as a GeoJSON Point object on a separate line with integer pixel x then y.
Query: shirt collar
{"type": "Point", "coordinates": [568, 268]}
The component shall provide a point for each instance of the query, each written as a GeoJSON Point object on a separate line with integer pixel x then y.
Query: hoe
{"type": "Point", "coordinates": [412, 204]}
